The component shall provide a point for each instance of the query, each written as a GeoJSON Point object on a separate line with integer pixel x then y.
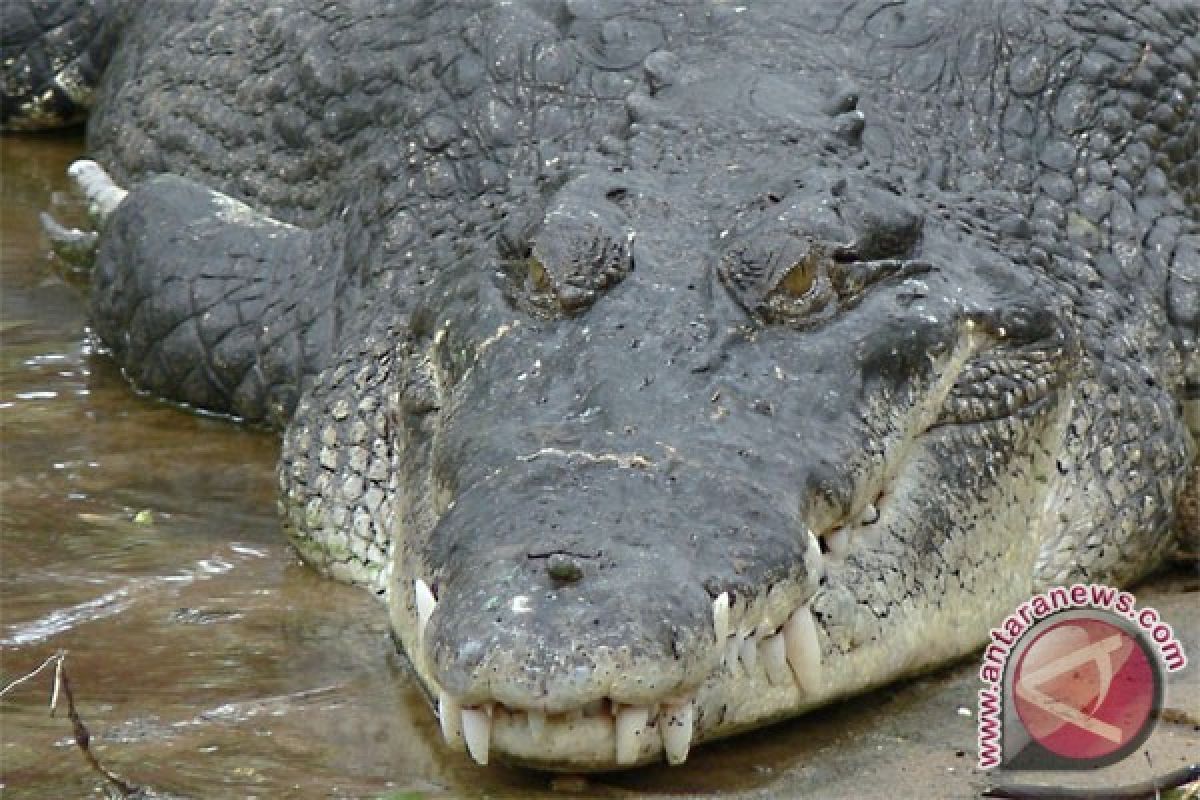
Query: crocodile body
{"type": "Point", "coordinates": [671, 369]}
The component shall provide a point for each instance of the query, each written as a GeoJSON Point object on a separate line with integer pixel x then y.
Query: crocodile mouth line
{"type": "Point", "coordinates": [757, 640]}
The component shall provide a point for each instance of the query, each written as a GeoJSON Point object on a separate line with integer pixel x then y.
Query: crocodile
{"type": "Point", "coordinates": [668, 369]}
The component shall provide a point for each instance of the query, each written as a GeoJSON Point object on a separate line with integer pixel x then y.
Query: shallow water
{"type": "Point", "coordinates": [208, 662]}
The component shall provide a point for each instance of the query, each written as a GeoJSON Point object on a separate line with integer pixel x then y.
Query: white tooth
{"type": "Point", "coordinates": [675, 723]}
{"type": "Point", "coordinates": [773, 652]}
{"type": "Point", "coordinates": [537, 725]}
{"type": "Point", "coordinates": [814, 559]}
{"type": "Point", "coordinates": [721, 616]}
{"type": "Point", "coordinates": [426, 603]}
{"type": "Point", "coordinates": [477, 730]}
{"type": "Point", "coordinates": [450, 716]}
{"type": "Point", "coordinates": [748, 653]}
{"type": "Point", "coordinates": [729, 656]}
{"type": "Point", "coordinates": [870, 515]}
{"type": "Point", "coordinates": [813, 543]}
{"type": "Point", "coordinates": [803, 650]}
{"type": "Point", "coordinates": [631, 725]}
{"type": "Point", "coordinates": [838, 541]}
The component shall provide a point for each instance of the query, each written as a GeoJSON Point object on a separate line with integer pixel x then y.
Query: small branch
{"type": "Point", "coordinates": [83, 739]}
{"type": "Point", "coordinates": [62, 687]}
{"type": "Point", "coordinates": [55, 659]}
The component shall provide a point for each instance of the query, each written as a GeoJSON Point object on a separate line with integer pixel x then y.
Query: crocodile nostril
{"type": "Point", "coordinates": [563, 569]}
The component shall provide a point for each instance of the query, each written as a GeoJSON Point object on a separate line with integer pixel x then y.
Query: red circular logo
{"type": "Point", "coordinates": [1086, 688]}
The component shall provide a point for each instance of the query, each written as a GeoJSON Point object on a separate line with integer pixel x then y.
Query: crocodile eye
{"type": "Point", "coordinates": [802, 295]}
{"type": "Point", "coordinates": [536, 276]}
{"type": "Point", "coordinates": [567, 268]}
{"type": "Point", "coordinates": [800, 279]}
{"type": "Point", "coordinates": [819, 248]}
{"type": "Point", "coordinates": [779, 276]}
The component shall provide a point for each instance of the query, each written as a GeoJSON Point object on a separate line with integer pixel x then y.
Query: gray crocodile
{"type": "Point", "coordinates": [670, 369]}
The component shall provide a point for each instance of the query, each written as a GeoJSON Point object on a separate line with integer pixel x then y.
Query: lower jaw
{"type": "Point", "coordinates": [586, 743]}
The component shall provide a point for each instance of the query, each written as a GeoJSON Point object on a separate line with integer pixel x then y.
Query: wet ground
{"type": "Point", "coordinates": [207, 662]}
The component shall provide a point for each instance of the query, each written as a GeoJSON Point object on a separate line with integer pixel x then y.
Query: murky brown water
{"type": "Point", "coordinates": [208, 662]}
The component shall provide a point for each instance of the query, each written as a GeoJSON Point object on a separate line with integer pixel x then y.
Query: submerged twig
{"type": "Point", "coordinates": [62, 687]}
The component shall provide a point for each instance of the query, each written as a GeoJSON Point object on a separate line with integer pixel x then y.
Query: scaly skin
{"type": "Point", "coordinates": [671, 369]}
{"type": "Point", "coordinates": [51, 56]}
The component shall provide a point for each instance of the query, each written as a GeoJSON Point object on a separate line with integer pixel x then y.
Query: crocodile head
{"type": "Point", "coordinates": [665, 477]}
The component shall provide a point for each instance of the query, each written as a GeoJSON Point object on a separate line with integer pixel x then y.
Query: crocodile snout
{"type": "Point", "coordinates": [586, 583]}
